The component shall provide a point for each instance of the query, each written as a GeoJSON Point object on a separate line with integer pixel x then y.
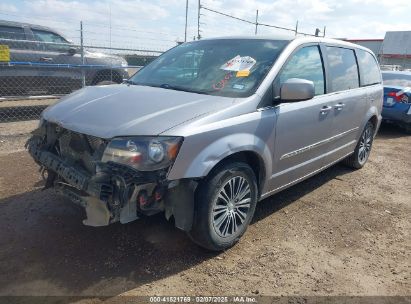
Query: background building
{"type": "Point", "coordinates": [373, 44]}
{"type": "Point", "coordinates": [394, 51]}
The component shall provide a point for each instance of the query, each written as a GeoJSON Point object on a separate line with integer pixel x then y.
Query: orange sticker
{"type": "Point", "coordinates": [243, 73]}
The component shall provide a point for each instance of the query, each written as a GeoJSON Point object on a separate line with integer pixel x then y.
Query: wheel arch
{"type": "Point", "coordinates": [374, 116]}
{"type": "Point", "coordinates": [251, 158]}
{"type": "Point", "coordinates": [374, 121]}
{"type": "Point", "coordinates": [199, 156]}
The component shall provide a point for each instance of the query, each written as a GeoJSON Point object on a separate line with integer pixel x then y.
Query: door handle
{"type": "Point", "coordinates": [339, 106]}
{"type": "Point", "coordinates": [46, 59]}
{"type": "Point", "coordinates": [325, 110]}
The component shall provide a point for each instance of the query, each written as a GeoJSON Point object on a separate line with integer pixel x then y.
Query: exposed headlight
{"type": "Point", "coordinates": [143, 153]}
{"type": "Point", "coordinates": [156, 151]}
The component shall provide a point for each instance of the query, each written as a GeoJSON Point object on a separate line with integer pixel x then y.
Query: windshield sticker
{"type": "Point", "coordinates": [243, 73]}
{"type": "Point", "coordinates": [238, 86]}
{"type": "Point", "coordinates": [221, 84]}
{"type": "Point", "coordinates": [238, 63]}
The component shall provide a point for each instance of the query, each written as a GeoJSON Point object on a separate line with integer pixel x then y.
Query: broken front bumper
{"type": "Point", "coordinates": [109, 192]}
{"type": "Point", "coordinates": [101, 195]}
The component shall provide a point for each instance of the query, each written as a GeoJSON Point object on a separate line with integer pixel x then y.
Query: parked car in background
{"type": "Point", "coordinates": [204, 140]}
{"type": "Point", "coordinates": [42, 61]}
{"type": "Point", "coordinates": [397, 98]}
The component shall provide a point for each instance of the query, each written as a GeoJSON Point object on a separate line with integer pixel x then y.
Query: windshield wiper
{"type": "Point", "coordinates": [178, 88]}
{"type": "Point", "coordinates": [165, 86]}
{"type": "Point", "coordinates": [128, 81]}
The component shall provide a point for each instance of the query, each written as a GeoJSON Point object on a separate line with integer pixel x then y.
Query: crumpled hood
{"type": "Point", "coordinates": [121, 110]}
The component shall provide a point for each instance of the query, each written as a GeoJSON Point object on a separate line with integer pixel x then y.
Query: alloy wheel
{"type": "Point", "coordinates": [365, 145]}
{"type": "Point", "coordinates": [231, 206]}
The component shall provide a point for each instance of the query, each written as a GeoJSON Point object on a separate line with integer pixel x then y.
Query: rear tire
{"type": "Point", "coordinates": [225, 204]}
{"type": "Point", "coordinates": [362, 151]}
{"type": "Point", "coordinates": [407, 128]}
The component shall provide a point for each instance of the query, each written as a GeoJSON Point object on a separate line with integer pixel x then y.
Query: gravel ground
{"type": "Point", "coordinates": [13, 135]}
{"type": "Point", "coordinates": [26, 102]}
{"type": "Point", "coordinates": [341, 232]}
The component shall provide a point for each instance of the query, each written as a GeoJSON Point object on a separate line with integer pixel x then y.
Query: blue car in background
{"type": "Point", "coordinates": [397, 98]}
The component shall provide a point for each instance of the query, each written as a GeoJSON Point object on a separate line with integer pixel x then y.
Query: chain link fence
{"type": "Point", "coordinates": [38, 65]}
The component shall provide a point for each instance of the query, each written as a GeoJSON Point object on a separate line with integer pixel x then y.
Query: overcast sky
{"type": "Point", "coordinates": [157, 24]}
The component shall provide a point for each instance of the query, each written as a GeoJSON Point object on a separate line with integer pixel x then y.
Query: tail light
{"type": "Point", "coordinates": [399, 96]}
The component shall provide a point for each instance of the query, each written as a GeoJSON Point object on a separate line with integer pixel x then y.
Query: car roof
{"type": "Point", "coordinates": [298, 39]}
{"type": "Point", "coordinates": [30, 25]}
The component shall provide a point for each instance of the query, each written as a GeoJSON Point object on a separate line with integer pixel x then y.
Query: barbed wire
{"type": "Point", "coordinates": [256, 23]}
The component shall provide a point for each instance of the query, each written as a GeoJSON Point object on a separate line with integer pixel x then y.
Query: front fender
{"type": "Point", "coordinates": [206, 146]}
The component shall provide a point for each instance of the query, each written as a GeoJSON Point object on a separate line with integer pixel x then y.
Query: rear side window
{"type": "Point", "coordinates": [12, 32]}
{"type": "Point", "coordinates": [369, 71]}
{"type": "Point", "coordinates": [306, 64]}
{"type": "Point", "coordinates": [48, 37]}
{"type": "Point", "coordinates": [51, 38]}
{"type": "Point", "coordinates": [343, 69]}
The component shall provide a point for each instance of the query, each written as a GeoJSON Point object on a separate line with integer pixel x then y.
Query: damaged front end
{"type": "Point", "coordinates": [114, 180]}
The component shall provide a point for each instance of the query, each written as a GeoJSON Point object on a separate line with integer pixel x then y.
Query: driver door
{"type": "Point", "coordinates": [303, 128]}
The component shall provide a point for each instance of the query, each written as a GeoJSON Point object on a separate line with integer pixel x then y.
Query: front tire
{"type": "Point", "coordinates": [225, 205]}
{"type": "Point", "coordinates": [362, 151]}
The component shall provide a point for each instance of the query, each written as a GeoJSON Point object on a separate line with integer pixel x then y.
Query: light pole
{"type": "Point", "coordinates": [185, 29]}
{"type": "Point", "coordinates": [198, 21]}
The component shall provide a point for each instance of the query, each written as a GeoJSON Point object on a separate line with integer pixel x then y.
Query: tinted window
{"type": "Point", "coordinates": [223, 67]}
{"type": "Point", "coordinates": [11, 32]}
{"type": "Point", "coordinates": [306, 63]}
{"type": "Point", "coordinates": [397, 79]}
{"type": "Point", "coordinates": [343, 69]}
{"type": "Point", "coordinates": [51, 38]}
{"type": "Point", "coordinates": [370, 73]}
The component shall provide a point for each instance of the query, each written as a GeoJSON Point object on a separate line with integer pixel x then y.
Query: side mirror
{"type": "Point", "coordinates": [72, 51]}
{"type": "Point", "coordinates": [296, 89]}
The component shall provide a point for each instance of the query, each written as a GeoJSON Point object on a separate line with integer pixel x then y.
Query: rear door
{"type": "Point", "coordinates": [349, 100]}
{"type": "Point", "coordinates": [370, 78]}
{"type": "Point", "coordinates": [303, 127]}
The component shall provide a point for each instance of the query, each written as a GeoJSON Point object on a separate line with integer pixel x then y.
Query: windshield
{"type": "Point", "coordinates": [397, 79]}
{"type": "Point", "coordinates": [223, 67]}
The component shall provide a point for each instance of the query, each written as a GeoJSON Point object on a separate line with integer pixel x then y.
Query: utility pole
{"type": "Point", "coordinates": [256, 23]}
{"type": "Point", "coordinates": [198, 21]}
{"type": "Point", "coordinates": [296, 28]}
{"type": "Point", "coordinates": [83, 74]}
{"type": "Point", "coordinates": [185, 29]}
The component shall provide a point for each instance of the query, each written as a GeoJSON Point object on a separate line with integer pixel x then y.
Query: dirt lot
{"type": "Point", "coordinates": [341, 232]}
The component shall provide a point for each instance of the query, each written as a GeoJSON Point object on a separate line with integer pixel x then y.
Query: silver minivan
{"type": "Point", "coordinates": [210, 128]}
